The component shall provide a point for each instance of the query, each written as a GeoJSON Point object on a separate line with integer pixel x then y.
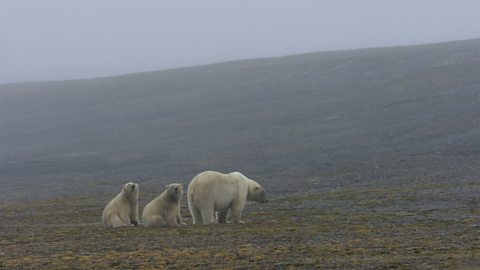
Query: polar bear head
{"type": "Point", "coordinates": [175, 191]}
{"type": "Point", "coordinates": [131, 189]}
{"type": "Point", "coordinates": [256, 193]}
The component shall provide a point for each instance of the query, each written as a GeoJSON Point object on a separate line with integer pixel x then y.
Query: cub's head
{"type": "Point", "coordinates": [175, 190]}
{"type": "Point", "coordinates": [131, 188]}
{"type": "Point", "coordinates": [256, 193]}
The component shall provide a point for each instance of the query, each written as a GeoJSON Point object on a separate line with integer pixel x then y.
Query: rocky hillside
{"type": "Point", "coordinates": [378, 116]}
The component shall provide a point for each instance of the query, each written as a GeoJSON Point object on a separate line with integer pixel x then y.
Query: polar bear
{"type": "Point", "coordinates": [211, 193]}
{"type": "Point", "coordinates": [165, 209]}
{"type": "Point", "coordinates": [123, 209]}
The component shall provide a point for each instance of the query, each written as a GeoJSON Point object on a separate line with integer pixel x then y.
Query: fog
{"type": "Point", "coordinates": [59, 40]}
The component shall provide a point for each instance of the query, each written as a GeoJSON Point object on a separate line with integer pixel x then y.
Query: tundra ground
{"type": "Point", "coordinates": [431, 226]}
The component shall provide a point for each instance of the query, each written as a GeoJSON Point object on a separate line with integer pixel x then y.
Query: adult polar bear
{"type": "Point", "coordinates": [211, 192]}
{"type": "Point", "coordinates": [122, 210]}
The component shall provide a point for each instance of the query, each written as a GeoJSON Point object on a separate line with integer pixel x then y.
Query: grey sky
{"type": "Point", "coordinates": [56, 40]}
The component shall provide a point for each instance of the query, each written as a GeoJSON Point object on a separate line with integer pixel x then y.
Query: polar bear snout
{"type": "Point", "coordinates": [263, 197]}
{"type": "Point", "coordinates": [131, 187]}
{"type": "Point", "coordinates": [259, 195]}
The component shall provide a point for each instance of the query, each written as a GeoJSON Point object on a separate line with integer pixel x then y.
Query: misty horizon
{"type": "Point", "coordinates": [53, 40]}
{"type": "Point", "coordinates": [220, 62]}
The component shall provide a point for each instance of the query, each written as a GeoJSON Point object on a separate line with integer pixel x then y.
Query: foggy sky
{"type": "Point", "coordinates": [57, 40]}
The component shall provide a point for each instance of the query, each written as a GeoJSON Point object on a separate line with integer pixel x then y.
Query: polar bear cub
{"type": "Point", "coordinates": [211, 193]}
{"type": "Point", "coordinates": [165, 209]}
{"type": "Point", "coordinates": [123, 209]}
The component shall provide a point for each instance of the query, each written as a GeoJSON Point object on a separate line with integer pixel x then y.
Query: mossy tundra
{"type": "Point", "coordinates": [427, 227]}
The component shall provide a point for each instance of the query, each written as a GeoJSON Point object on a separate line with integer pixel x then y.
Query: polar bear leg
{"type": "Point", "coordinates": [172, 219]}
{"type": "Point", "coordinates": [155, 220]}
{"type": "Point", "coordinates": [236, 212]}
{"type": "Point", "coordinates": [116, 221]}
{"type": "Point", "coordinates": [222, 216]}
{"type": "Point", "coordinates": [134, 216]}
{"type": "Point", "coordinates": [179, 218]}
{"type": "Point", "coordinates": [196, 215]}
{"type": "Point", "coordinates": [208, 215]}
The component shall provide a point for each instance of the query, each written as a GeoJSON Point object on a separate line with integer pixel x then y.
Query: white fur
{"type": "Point", "coordinates": [165, 209]}
{"type": "Point", "coordinates": [123, 209]}
{"type": "Point", "coordinates": [211, 193]}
